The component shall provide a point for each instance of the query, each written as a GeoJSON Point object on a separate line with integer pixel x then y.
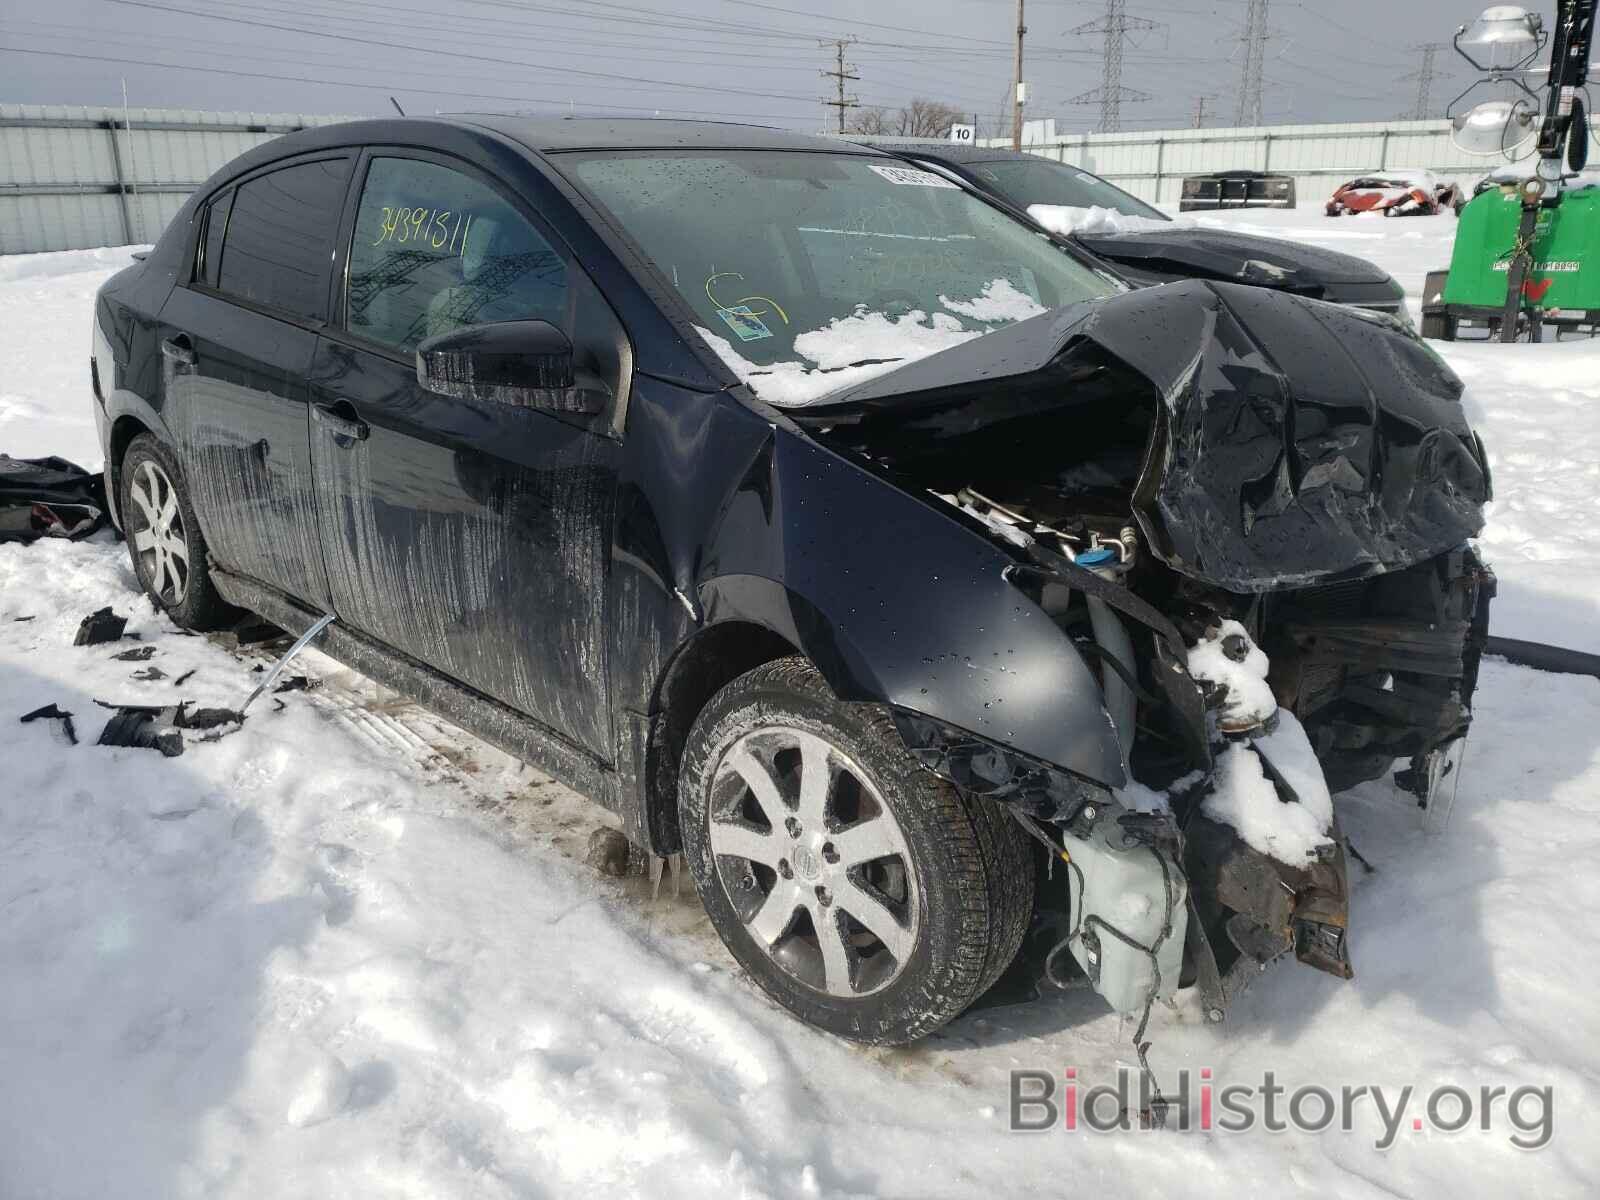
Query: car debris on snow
{"type": "Point", "coordinates": [137, 654]}
{"type": "Point", "coordinates": [48, 497]}
{"type": "Point", "coordinates": [51, 712]}
{"type": "Point", "coordinates": [103, 625]}
{"type": "Point", "coordinates": [156, 727]}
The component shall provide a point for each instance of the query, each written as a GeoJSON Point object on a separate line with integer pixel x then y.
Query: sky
{"type": "Point", "coordinates": [757, 60]}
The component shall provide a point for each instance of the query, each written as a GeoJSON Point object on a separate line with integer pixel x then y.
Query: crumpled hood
{"type": "Point", "coordinates": [1294, 442]}
{"type": "Point", "coordinates": [1222, 254]}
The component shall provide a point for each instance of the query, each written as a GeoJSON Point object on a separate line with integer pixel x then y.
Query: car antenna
{"type": "Point", "coordinates": [397, 107]}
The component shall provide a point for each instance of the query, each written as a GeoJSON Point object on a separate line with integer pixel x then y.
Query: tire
{"type": "Point", "coordinates": [164, 539]}
{"type": "Point", "coordinates": [944, 880]}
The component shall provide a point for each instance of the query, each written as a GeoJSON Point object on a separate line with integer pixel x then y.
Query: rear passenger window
{"type": "Point", "coordinates": [211, 248]}
{"type": "Point", "coordinates": [280, 237]}
{"type": "Point", "coordinates": [435, 251]}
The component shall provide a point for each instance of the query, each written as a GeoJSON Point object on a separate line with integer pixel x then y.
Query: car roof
{"type": "Point", "coordinates": [952, 153]}
{"type": "Point", "coordinates": [556, 134]}
{"type": "Point", "coordinates": [550, 135]}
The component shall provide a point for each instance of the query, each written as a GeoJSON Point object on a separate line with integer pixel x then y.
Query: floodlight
{"type": "Point", "coordinates": [1495, 127]}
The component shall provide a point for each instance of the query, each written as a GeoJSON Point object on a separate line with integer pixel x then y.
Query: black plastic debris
{"type": "Point", "coordinates": [149, 674]}
{"type": "Point", "coordinates": [51, 713]}
{"type": "Point", "coordinates": [208, 718]}
{"type": "Point", "coordinates": [137, 654]}
{"type": "Point", "coordinates": [160, 728]}
{"type": "Point", "coordinates": [145, 729]}
{"type": "Point", "coordinates": [48, 497]}
{"type": "Point", "coordinates": [184, 678]}
{"type": "Point", "coordinates": [296, 683]}
{"type": "Point", "coordinates": [101, 626]}
{"type": "Point", "coordinates": [19, 620]}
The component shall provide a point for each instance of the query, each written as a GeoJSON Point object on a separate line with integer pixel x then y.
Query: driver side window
{"type": "Point", "coordinates": [435, 251]}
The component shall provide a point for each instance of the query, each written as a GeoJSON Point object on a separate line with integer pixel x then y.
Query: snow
{"type": "Point", "coordinates": [351, 951]}
{"type": "Point", "coordinates": [853, 349]}
{"type": "Point", "coordinates": [1000, 300]}
{"type": "Point", "coordinates": [1242, 796]}
{"type": "Point", "coordinates": [1248, 699]}
{"type": "Point", "coordinates": [1066, 218]}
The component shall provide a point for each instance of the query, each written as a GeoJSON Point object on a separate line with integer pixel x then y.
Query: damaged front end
{"type": "Point", "coordinates": [1250, 514]}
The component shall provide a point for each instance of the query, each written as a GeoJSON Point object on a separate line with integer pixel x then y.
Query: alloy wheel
{"type": "Point", "coordinates": [813, 861]}
{"type": "Point", "coordinates": [157, 533]}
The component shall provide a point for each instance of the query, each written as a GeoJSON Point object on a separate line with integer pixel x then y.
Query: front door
{"type": "Point", "coordinates": [473, 536]}
{"type": "Point", "coordinates": [238, 339]}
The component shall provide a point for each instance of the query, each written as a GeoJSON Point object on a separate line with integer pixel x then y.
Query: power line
{"type": "Point", "coordinates": [1114, 27]}
{"type": "Point", "coordinates": [378, 87]}
{"type": "Point", "coordinates": [840, 73]}
{"type": "Point", "coordinates": [1255, 52]}
{"type": "Point", "coordinates": [346, 37]}
{"type": "Point", "coordinates": [1424, 75]}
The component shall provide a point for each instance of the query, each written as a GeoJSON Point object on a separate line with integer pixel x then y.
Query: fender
{"type": "Point", "coordinates": [896, 602]}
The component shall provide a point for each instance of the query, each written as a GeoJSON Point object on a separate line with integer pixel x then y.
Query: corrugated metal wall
{"type": "Point", "coordinates": [73, 177]}
{"type": "Point", "coordinates": [1152, 164]}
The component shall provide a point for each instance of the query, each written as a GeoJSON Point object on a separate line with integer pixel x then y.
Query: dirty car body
{"type": "Point", "coordinates": [701, 401]}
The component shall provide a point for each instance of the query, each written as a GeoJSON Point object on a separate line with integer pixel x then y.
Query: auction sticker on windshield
{"type": "Point", "coordinates": [912, 177]}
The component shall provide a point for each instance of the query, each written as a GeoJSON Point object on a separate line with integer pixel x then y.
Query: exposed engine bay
{"type": "Point", "coordinates": [1251, 516]}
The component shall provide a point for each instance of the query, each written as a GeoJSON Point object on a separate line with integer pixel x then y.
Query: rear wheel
{"type": "Point", "coordinates": [862, 892]}
{"type": "Point", "coordinates": [164, 540]}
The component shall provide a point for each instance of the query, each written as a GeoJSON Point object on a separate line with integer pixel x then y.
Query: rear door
{"type": "Point", "coordinates": [473, 536]}
{"type": "Point", "coordinates": [238, 338]}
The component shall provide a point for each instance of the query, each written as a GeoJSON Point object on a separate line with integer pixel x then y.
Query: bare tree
{"type": "Point", "coordinates": [928, 118]}
{"type": "Point", "coordinates": [875, 122]}
{"type": "Point", "coordinates": [921, 118]}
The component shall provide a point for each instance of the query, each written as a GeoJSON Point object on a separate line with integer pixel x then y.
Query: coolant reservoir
{"type": "Point", "coordinates": [1122, 888]}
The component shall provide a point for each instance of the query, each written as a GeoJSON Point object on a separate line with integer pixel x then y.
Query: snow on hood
{"type": "Point", "coordinates": [853, 349]}
{"type": "Point", "coordinates": [1066, 219]}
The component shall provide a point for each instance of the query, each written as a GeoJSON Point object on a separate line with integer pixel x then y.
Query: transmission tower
{"type": "Point", "coordinates": [841, 72]}
{"type": "Point", "coordinates": [1424, 75]}
{"type": "Point", "coordinates": [1255, 52]}
{"type": "Point", "coordinates": [1114, 27]}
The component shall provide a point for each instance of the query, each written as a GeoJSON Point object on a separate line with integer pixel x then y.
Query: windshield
{"type": "Point", "coordinates": [808, 272]}
{"type": "Point", "coordinates": [1041, 181]}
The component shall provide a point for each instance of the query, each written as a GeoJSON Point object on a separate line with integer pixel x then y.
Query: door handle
{"type": "Point", "coordinates": [178, 350]}
{"type": "Point", "coordinates": [339, 423]}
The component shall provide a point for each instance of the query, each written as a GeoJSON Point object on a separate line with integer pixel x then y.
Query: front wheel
{"type": "Point", "coordinates": [862, 892]}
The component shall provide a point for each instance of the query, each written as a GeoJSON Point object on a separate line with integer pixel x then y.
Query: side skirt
{"type": "Point", "coordinates": [496, 723]}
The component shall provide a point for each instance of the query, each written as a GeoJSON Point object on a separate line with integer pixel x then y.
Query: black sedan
{"type": "Point", "coordinates": [1142, 243]}
{"type": "Point", "coordinates": [828, 524]}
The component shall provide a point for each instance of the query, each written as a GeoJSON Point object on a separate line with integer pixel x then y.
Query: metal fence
{"type": "Point", "coordinates": [73, 177]}
{"type": "Point", "coordinates": [1152, 164]}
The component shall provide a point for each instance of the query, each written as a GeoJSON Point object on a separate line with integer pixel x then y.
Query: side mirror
{"type": "Point", "coordinates": [523, 363]}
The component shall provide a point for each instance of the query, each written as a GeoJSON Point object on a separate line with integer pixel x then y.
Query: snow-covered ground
{"type": "Point", "coordinates": [351, 951]}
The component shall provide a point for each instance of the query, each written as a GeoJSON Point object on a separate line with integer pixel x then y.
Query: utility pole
{"type": "Point", "coordinates": [1424, 75]}
{"type": "Point", "coordinates": [1255, 52]}
{"type": "Point", "coordinates": [1115, 27]}
{"type": "Point", "coordinates": [1200, 111]}
{"type": "Point", "coordinates": [1020, 93]}
{"type": "Point", "coordinates": [840, 73]}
